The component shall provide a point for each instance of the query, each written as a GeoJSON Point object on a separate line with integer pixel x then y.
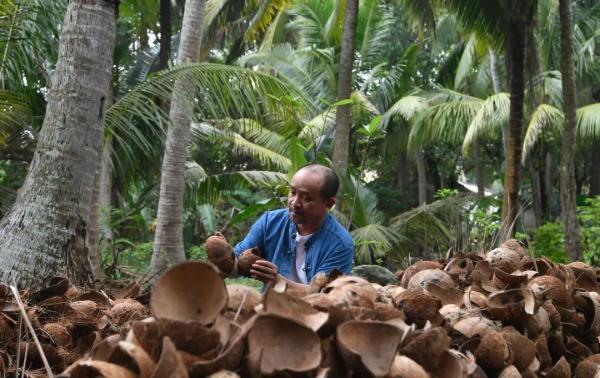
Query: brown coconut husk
{"type": "Point", "coordinates": [192, 291]}
{"type": "Point", "coordinates": [354, 340]}
{"type": "Point", "coordinates": [279, 345]}
{"type": "Point", "coordinates": [246, 259]}
{"type": "Point", "coordinates": [220, 253]}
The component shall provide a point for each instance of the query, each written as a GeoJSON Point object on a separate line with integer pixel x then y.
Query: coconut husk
{"type": "Point", "coordinates": [354, 340]}
{"type": "Point", "coordinates": [549, 288]}
{"type": "Point", "coordinates": [132, 357]}
{"type": "Point", "coordinates": [278, 345]}
{"type": "Point", "coordinates": [428, 276]}
{"type": "Point", "coordinates": [504, 259]}
{"type": "Point", "coordinates": [169, 365]}
{"type": "Point", "coordinates": [419, 307]}
{"type": "Point", "coordinates": [493, 352]}
{"type": "Point", "coordinates": [415, 268]}
{"type": "Point", "coordinates": [589, 367]}
{"type": "Point", "coordinates": [286, 306]}
{"type": "Point", "coordinates": [523, 349]}
{"type": "Point", "coordinates": [510, 372]}
{"type": "Point", "coordinates": [560, 370]}
{"type": "Point", "coordinates": [220, 253]}
{"type": "Point", "coordinates": [91, 368]}
{"type": "Point", "coordinates": [241, 301]}
{"type": "Point", "coordinates": [427, 348]}
{"type": "Point", "coordinates": [511, 305]}
{"type": "Point", "coordinates": [126, 310]}
{"type": "Point", "coordinates": [404, 367]}
{"type": "Point", "coordinates": [192, 291]}
{"type": "Point", "coordinates": [246, 259]}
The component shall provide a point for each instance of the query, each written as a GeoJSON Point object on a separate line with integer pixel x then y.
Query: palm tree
{"type": "Point", "coordinates": [44, 232]}
{"type": "Point", "coordinates": [567, 170]}
{"type": "Point", "coordinates": [344, 87]}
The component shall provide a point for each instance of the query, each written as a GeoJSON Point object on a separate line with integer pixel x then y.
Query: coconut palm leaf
{"type": "Point", "coordinates": [207, 188]}
{"type": "Point", "coordinates": [374, 241]}
{"type": "Point", "coordinates": [545, 117]}
{"type": "Point", "coordinates": [241, 146]}
{"type": "Point", "coordinates": [406, 107]}
{"type": "Point", "coordinates": [221, 92]}
{"type": "Point", "coordinates": [588, 122]}
{"type": "Point", "coordinates": [489, 119]}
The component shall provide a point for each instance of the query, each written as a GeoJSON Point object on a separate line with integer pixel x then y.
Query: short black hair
{"type": "Point", "coordinates": [331, 181]}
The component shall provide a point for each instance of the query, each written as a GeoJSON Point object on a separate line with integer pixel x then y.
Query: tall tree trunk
{"type": "Point", "coordinates": [344, 88]}
{"type": "Point", "coordinates": [421, 177]}
{"type": "Point", "coordinates": [549, 179]}
{"type": "Point", "coordinates": [164, 55]}
{"type": "Point", "coordinates": [402, 171]}
{"type": "Point", "coordinates": [515, 35]}
{"type": "Point", "coordinates": [97, 225]}
{"type": "Point", "coordinates": [479, 173]}
{"type": "Point", "coordinates": [497, 89]}
{"type": "Point", "coordinates": [567, 167]}
{"type": "Point", "coordinates": [168, 239]}
{"type": "Point", "coordinates": [595, 169]}
{"type": "Point", "coordinates": [536, 189]}
{"type": "Point", "coordinates": [44, 233]}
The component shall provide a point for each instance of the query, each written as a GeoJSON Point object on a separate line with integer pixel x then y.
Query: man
{"type": "Point", "coordinates": [304, 239]}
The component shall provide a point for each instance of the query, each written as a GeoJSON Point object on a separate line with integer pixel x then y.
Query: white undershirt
{"type": "Point", "coordinates": [298, 274]}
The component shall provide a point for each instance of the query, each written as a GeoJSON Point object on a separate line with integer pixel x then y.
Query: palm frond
{"type": "Point", "coordinates": [207, 188]}
{"type": "Point", "coordinates": [406, 107]}
{"type": "Point", "coordinates": [221, 92]}
{"type": "Point", "coordinates": [275, 32]}
{"type": "Point", "coordinates": [588, 122]}
{"type": "Point", "coordinates": [309, 23]}
{"type": "Point", "coordinates": [318, 125]}
{"type": "Point", "coordinates": [490, 118]}
{"type": "Point", "coordinates": [421, 13]}
{"type": "Point", "coordinates": [202, 132]}
{"type": "Point", "coordinates": [544, 117]}
{"type": "Point", "coordinates": [374, 241]}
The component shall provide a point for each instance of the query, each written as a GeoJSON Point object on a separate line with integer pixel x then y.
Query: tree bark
{"type": "Point", "coordinates": [567, 166]}
{"type": "Point", "coordinates": [344, 88]}
{"type": "Point", "coordinates": [168, 240]}
{"type": "Point", "coordinates": [595, 169]}
{"type": "Point", "coordinates": [402, 171]}
{"type": "Point", "coordinates": [421, 177]}
{"type": "Point", "coordinates": [44, 233]}
{"type": "Point", "coordinates": [164, 55]}
{"type": "Point", "coordinates": [479, 173]}
{"type": "Point", "coordinates": [497, 89]}
{"type": "Point", "coordinates": [515, 35]}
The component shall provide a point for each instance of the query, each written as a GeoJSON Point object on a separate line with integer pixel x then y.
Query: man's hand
{"type": "Point", "coordinates": [264, 270]}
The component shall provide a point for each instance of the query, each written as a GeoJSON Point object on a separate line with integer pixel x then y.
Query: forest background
{"type": "Point", "coordinates": [453, 124]}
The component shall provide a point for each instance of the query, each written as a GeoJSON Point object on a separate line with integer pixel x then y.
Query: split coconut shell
{"type": "Point", "coordinates": [220, 253]}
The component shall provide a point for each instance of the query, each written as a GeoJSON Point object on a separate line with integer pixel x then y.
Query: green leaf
{"type": "Point", "coordinates": [347, 101]}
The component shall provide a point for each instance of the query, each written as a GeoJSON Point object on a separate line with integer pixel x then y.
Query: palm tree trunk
{"type": "Point", "coordinates": [497, 88]}
{"type": "Point", "coordinates": [164, 55]}
{"type": "Point", "coordinates": [344, 87]}
{"type": "Point", "coordinates": [421, 177]}
{"type": "Point", "coordinates": [168, 240]}
{"type": "Point", "coordinates": [595, 169]}
{"type": "Point", "coordinates": [402, 171]}
{"type": "Point", "coordinates": [567, 166]}
{"type": "Point", "coordinates": [479, 173]}
{"type": "Point", "coordinates": [516, 56]}
{"type": "Point", "coordinates": [44, 233]}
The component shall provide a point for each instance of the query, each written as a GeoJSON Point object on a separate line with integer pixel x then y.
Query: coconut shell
{"type": "Point", "coordinates": [59, 334]}
{"type": "Point", "coordinates": [125, 310]}
{"type": "Point", "coordinates": [549, 288]}
{"type": "Point", "coordinates": [417, 267]}
{"type": "Point", "coordinates": [436, 276]}
{"type": "Point", "coordinates": [220, 253]}
{"type": "Point", "coordinates": [419, 307]}
{"type": "Point", "coordinates": [170, 363]}
{"type": "Point", "coordinates": [404, 367]}
{"type": "Point", "coordinates": [91, 368]}
{"type": "Point", "coordinates": [589, 367]}
{"type": "Point", "coordinates": [515, 246]}
{"type": "Point", "coordinates": [355, 343]}
{"type": "Point", "coordinates": [524, 350]}
{"type": "Point", "coordinates": [277, 345]}
{"type": "Point", "coordinates": [510, 372]}
{"type": "Point", "coordinates": [244, 299]}
{"type": "Point", "coordinates": [561, 369]}
{"type": "Point", "coordinates": [504, 259]}
{"type": "Point", "coordinates": [192, 291]}
{"type": "Point", "coordinates": [427, 348]}
{"type": "Point", "coordinates": [246, 259]}
{"type": "Point", "coordinates": [286, 306]}
{"type": "Point", "coordinates": [493, 352]}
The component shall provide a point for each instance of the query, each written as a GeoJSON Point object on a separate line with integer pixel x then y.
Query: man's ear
{"type": "Point", "coordinates": [329, 202]}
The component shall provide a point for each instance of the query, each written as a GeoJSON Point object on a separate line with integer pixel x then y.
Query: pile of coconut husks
{"type": "Point", "coordinates": [503, 314]}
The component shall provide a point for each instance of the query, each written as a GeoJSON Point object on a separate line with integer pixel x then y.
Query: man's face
{"type": "Point", "coordinates": [306, 205]}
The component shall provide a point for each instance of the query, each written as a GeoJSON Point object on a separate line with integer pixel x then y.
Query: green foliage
{"type": "Point", "coordinates": [589, 216]}
{"type": "Point", "coordinates": [196, 252]}
{"type": "Point", "coordinates": [549, 241]}
{"type": "Point", "coordinates": [484, 223]}
{"type": "Point", "coordinates": [244, 281]}
{"type": "Point", "coordinates": [445, 193]}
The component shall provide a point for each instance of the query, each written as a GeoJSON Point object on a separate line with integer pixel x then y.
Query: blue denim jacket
{"type": "Point", "coordinates": [274, 234]}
